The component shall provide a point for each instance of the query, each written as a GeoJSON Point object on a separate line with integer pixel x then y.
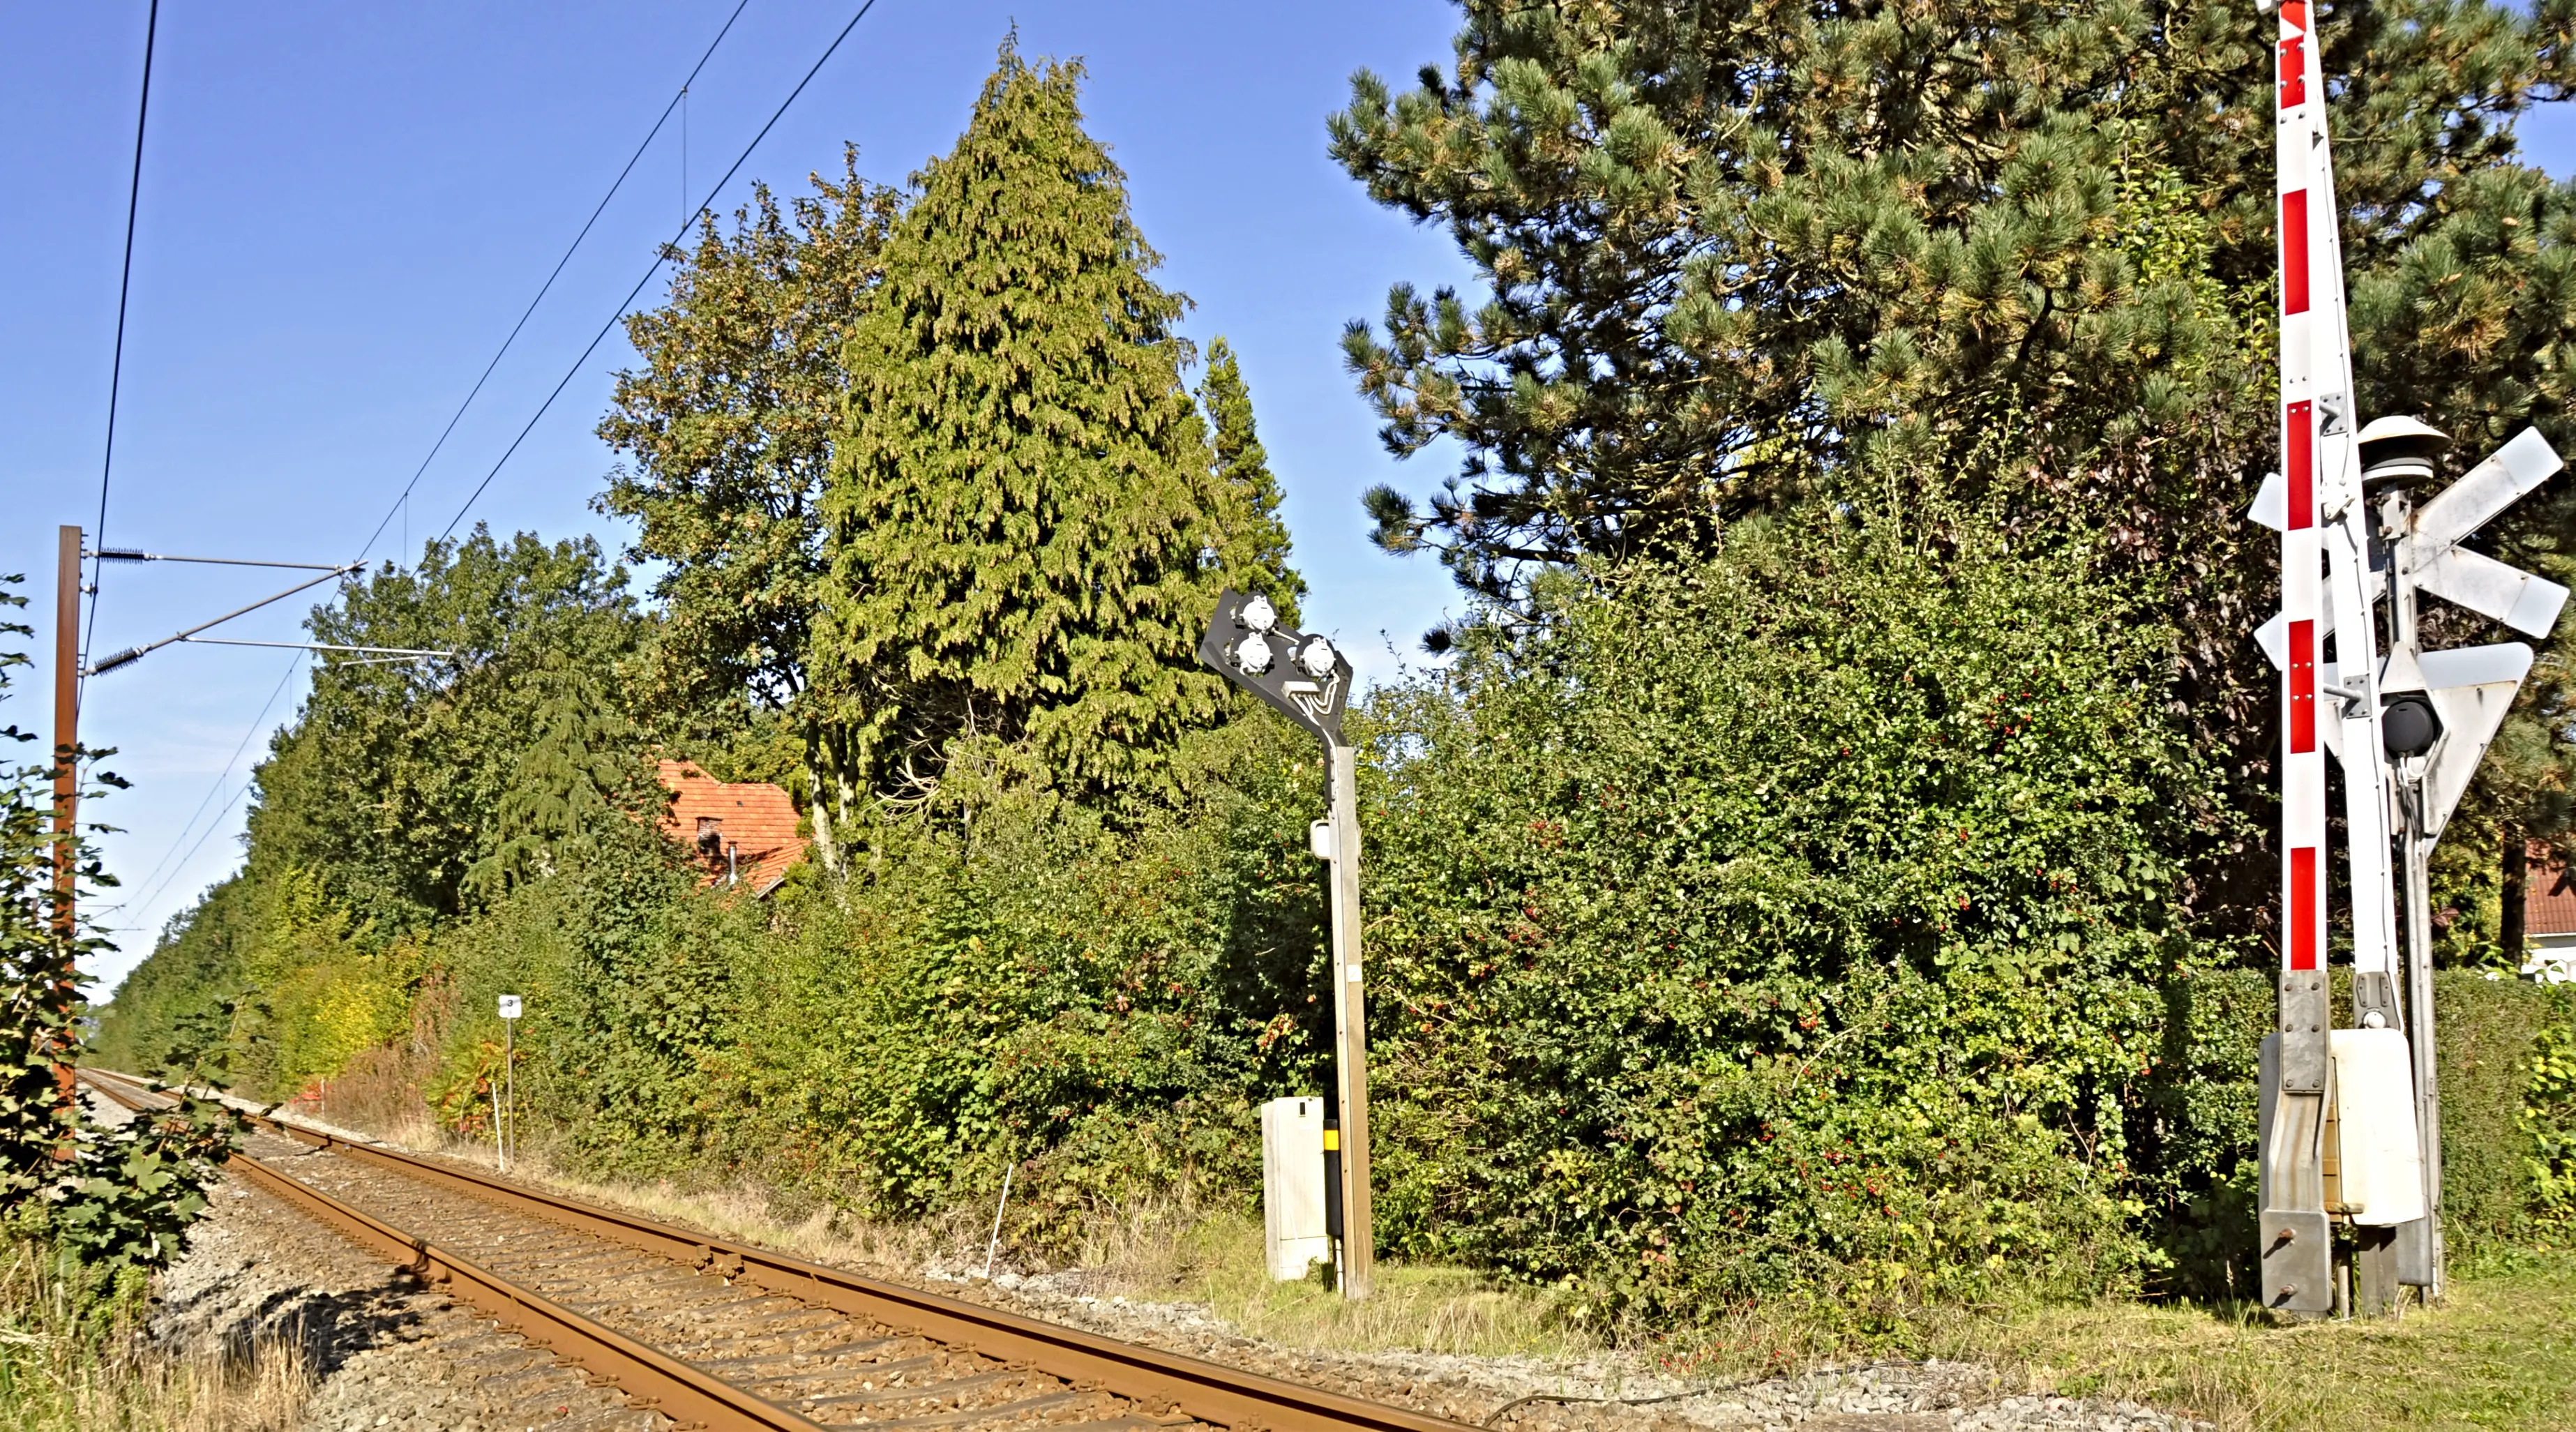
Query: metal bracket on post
{"type": "Point", "coordinates": [2374, 1001]}
{"type": "Point", "coordinates": [2296, 1241]}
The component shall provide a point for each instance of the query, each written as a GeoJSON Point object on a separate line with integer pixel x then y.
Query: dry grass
{"type": "Point", "coordinates": [67, 1369]}
{"type": "Point", "coordinates": [379, 1091]}
{"type": "Point", "coordinates": [1218, 1260]}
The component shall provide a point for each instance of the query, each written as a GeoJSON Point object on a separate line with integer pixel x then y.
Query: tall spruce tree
{"type": "Point", "coordinates": [1259, 551]}
{"type": "Point", "coordinates": [582, 786]}
{"type": "Point", "coordinates": [387, 780]}
{"type": "Point", "coordinates": [1029, 527]}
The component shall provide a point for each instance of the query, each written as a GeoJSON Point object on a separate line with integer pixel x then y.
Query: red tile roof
{"type": "Point", "coordinates": [754, 821]}
{"type": "Point", "coordinates": [2548, 897]}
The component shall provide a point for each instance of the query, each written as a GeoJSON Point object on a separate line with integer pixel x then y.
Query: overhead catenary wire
{"type": "Point", "coordinates": [678, 99]}
{"type": "Point", "coordinates": [661, 256]}
{"type": "Point", "coordinates": [256, 723]}
{"type": "Point", "coordinates": [124, 291]}
{"type": "Point", "coordinates": [216, 824]}
{"type": "Point", "coordinates": [303, 653]}
{"type": "Point", "coordinates": [134, 654]}
{"type": "Point", "coordinates": [402, 503]}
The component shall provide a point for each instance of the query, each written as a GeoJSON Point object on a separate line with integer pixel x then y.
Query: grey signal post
{"type": "Point", "coordinates": [2464, 694]}
{"type": "Point", "coordinates": [1310, 683]}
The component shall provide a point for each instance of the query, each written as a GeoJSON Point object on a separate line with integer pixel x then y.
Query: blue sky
{"type": "Point", "coordinates": [345, 207]}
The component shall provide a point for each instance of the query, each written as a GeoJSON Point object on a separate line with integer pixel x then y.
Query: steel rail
{"type": "Point", "coordinates": [1162, 1383]}
{"type": "Point", "coordinates": [652, 1379]}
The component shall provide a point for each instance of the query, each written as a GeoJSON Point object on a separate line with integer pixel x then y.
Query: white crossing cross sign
{"type": "Point", "coordinates": [2471, 688]}
{"type": "Point", "coordinates": [2431, 558]}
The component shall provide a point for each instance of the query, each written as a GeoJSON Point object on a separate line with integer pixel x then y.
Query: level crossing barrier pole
{"type": "Point", "coordinates": [1350, 1008]}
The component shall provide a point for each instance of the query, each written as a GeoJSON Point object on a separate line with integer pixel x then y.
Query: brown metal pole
{"type": "Point", "coordinates": [67, 610]}
{"type": "Point", "coordinates": [1359, 1234]}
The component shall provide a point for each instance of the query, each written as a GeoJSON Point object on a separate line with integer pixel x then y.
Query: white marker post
{"type": "Point", "coordinates": [511, 1008]}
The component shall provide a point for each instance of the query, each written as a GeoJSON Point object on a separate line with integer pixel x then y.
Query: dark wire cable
{"type": "Point", "coordinates": [220, 812]}
{"type": "Point", "coordinates": [401, 504]}
{"type": "Point", "coordinates": [116, 365]}
{"type": "Point", "coordinates": [661, 256]}
{"type": "Point", "coordinates": [677, 100]}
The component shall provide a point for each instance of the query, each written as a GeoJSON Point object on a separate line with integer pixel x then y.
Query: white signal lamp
{"type": "Point", "coordinates": [1316, 658]}
{"type": "Point", "coordinates": [1253, 655]}
{"type": "Point", "coordinates": [1259, 615]}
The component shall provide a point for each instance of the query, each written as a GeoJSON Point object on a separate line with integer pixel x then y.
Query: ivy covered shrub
{"type": "Point", "coordinates": [2547, 1122]}
{"type": "Point", "coordinates": [1794, 919]}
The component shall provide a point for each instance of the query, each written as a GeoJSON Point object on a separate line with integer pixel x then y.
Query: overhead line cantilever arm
{"type": "Point", "coordinates": [134, 654]}
{"type": "Point", "coordinates": [134, 554]}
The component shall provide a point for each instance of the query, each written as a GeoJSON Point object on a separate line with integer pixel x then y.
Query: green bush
{"type": "Point", "coordinates": [2508, 1108]}
{"type": "Point", "coordinates": [1099, 997]}
{"type": "Point", "coordinates": [112, 1203]}
{"type": "Point", "coordinates": [1796, 920]}
{"type": "Point", "coordinates": [2194, 1127]}
{"type": "Point", "coordinates": [1799, 923]}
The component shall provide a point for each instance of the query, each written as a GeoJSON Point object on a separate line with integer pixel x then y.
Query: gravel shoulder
{"type": "Point", "coordinates": [385, 1353]}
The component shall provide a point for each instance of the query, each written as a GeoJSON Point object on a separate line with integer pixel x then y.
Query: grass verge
{"type": "Point", "coordinates": [70, 1364]}
{"type": "Point", "coordinates": [1218, 1260]}
{"type": "Point", "coordinates": [2500, 1352]}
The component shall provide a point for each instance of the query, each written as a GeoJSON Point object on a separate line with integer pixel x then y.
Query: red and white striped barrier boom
{"type": "Point", "coordinates": [2324, 526]}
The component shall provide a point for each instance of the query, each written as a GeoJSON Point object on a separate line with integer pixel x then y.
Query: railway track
{"type": "Point", "coordinates": [734, 1338]}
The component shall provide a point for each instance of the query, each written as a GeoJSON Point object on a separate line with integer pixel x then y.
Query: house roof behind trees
{"type": "Point", "coordinates": [744, 831]}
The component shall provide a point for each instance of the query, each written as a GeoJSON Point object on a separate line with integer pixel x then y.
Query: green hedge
{"type": "Point", "coordinates": [1799, 923]}
{"type": "Point", "coordinates": [2486, 1030]}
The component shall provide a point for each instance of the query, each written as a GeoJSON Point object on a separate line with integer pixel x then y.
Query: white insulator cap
{"type": "Point", "coordinates": [2400, 426]}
